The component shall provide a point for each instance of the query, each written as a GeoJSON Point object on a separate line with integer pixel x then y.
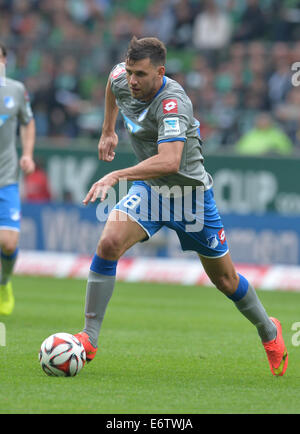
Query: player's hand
{"type": "Point", "coordinates": [27, 164]}
{"type": "Point", "coordinates": [106, 146]}
{"type": "Point", "coordinates": [101, 187]}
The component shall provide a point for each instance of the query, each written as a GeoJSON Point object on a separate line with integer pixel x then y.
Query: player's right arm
{"type": "Point", "coordinates": [109, 139]}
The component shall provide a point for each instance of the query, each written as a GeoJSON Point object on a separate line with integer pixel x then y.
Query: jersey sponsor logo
{"type": "Point", "coordinates": [222, 236]}
{"type": "Point", "coordinates": [171, 126]}
{"type": "Point", "coordinates": [117, 72]}
{"type": "Point", "coordinates": [170, 106]}
{"type": "Point", "coordinates": [9, 102]}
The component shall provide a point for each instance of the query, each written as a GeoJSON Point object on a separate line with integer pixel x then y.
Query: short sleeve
{"type": "Point", "coordinates": [25, 111]}
{"type": "Point", "coordinates": [172, 120]}
{"type": "Point", "coordinates": [117, 74]}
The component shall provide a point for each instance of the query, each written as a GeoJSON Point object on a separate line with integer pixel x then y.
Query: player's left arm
{"type": "Point", "coordinates": [165, 162]}
{"type": "Point", "coordinates": [27, 133]}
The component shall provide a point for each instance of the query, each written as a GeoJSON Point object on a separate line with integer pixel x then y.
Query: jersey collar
{"type": "Point", "coordinates": [161, 87]}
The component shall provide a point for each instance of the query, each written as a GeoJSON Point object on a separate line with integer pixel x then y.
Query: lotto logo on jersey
{"type": "Point", "coordinates": [222, 236]}
{"type": "Point", "coordinates": [170, 106]}
{"type": "Point", "coordinates": [117, 72]}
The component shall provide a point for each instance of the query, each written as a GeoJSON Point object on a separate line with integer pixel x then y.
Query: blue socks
{"type": "Point", "coordinates": [103, 266]}
{"type": "Point", "coordinates": [241, 290]}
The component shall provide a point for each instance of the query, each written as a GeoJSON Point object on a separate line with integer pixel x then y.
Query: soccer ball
{"type": "Point", "coordinates": [62, 355]}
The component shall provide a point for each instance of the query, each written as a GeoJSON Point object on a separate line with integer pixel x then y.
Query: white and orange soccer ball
{"type": "Point", "coordinates": [62, 355]}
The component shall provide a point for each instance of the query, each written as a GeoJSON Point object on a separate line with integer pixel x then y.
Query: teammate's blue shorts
{"type": "Point", "coordinates": [194, 217]}
{"type": "Point", "coordinates": [10, 207]}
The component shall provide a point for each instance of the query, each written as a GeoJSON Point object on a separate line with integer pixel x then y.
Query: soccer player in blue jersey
{"type": "Point", "coordinates": [14, 109]}
{"type": "Point", "coordinates": [165, 138]}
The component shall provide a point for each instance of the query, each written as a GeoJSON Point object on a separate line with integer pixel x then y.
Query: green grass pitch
{"type": "Point", "coordinates": [165, 349]}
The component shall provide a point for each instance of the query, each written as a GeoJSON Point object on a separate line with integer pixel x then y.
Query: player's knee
{"type": "Point", "coordinates": [109, 248]}
{"type": "Point", "coordinates": [226, 283]}
{"type": "Point", "coordinates": [9, 246]}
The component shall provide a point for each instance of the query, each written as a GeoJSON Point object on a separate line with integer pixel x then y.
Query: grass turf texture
{"type": "Point", "coordinates": [165, 349]}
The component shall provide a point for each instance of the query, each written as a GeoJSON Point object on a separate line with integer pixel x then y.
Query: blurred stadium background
{"type": "Point", "coordinates": [237, 60]}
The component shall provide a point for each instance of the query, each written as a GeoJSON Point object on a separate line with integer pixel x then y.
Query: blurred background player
{"type": "Point", "coordinates": [165, 138]}
{"type": "Point", "coordinates": [14, 109]}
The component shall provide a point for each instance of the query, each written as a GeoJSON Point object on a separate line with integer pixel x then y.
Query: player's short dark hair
{"type": "Point", "coordinates": [147, 47]}
{"type": "Point", "coordinates": [3, 49]}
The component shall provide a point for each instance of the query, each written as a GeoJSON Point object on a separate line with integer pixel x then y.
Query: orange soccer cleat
{"type": "Point", "coordinates": [277, 352]}
{"type": "Point", "coordinates": [89, 349]}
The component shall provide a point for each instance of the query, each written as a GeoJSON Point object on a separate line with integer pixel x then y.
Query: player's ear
{"type": "Point", "coordinates": [161, 70]}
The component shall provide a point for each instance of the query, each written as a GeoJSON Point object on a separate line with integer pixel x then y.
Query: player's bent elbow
{"type": "Point", "coordinates": [174, 166]}
{"type": "Point", "coordinates": [171, 166]}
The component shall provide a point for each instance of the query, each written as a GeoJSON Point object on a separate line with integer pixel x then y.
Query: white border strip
{"type": "Point", "coordinates": [163, 270]}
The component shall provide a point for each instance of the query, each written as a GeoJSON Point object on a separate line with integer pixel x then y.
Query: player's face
{"type": "Point", "coordinates": [144, 78]}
